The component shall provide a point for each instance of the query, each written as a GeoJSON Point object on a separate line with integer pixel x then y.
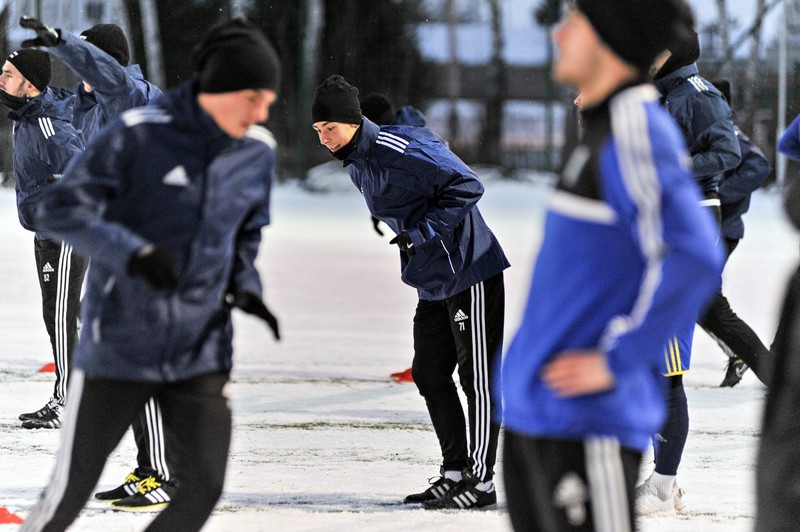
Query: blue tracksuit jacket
{"type": "Point", "coordinates": [44, 143]}
{"type": "Point", "coordinates": [413, 183]}
{"type": "Point", "coordinates": [163, 174]}
{"type": "Point", "coordinates": [627, 254]}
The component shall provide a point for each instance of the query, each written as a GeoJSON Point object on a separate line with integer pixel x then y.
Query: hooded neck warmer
{"type": "Point", "coordinates": [13, 102]}
{"type": "Point", "coordinates": [345, 151]}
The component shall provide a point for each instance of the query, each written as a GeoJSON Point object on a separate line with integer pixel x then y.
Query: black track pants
{"type": "Point", "coordinates": [61, 273]}
{"type": "Point", "coordinates": [197, 417]}
{"type": "Point", "coordinates": [464, 331]}
{"type": "Point", "coordinates": [731, 333]}
{"type": "Point", "coordinates": [569, 485]}
{"type": "Point", "coordinates": [152, 457]}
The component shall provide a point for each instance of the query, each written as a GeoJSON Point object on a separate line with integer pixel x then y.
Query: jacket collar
{"type": "Point", "coordinates": [673, 79]}
{"type": "Point", "coordinates": [367, 137]}
{"type": "Point", "coordinates": [181, 103]}
{"type": "Point", "coordinates": [52, 103]}
{"type": "Point", "coordinates": [601, 108]}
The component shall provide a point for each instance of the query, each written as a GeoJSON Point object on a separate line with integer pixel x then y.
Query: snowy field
{"type": "Point", "coordinates": [323, 439]}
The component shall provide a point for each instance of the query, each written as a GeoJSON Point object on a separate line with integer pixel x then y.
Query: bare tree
{"type": "Point", "coordinates": [723, 29]}
{"type": "Point", "coordinates": [752, 68]}
{"type": "Point", "coordinates": [152, 42]}
{"type": "Point", "coordinates": [453, 70]}
{"type": "Point", "coordinates": [490, 151]}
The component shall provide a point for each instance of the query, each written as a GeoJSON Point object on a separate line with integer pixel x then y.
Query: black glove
{"type": "Point", "coordinates": [404, 242]}
{"type": "Point", "coordinates": [375, 222]}
{"type": "Point", "coordinates": [252, 304]}
{"type": "Point", "coordinates": [156, 266]}
{"type": "Point", "coordinates": [45, 35]}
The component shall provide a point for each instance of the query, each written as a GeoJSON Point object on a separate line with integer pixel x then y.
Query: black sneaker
{"type": "Point", "coordinates": [152, 494]}
{"type": "Point", "coordinates": [126, 489]}
{"type": "Point", "coordinates": [438, 489]}
{"type": "Point", "coordinates": [49, 420]}
{"type": "Point", "coordinates": [464, 495]}
{"type": "Point", "coordinates": [734, 372]}
{"type": "Point", "coordinates": [41, 412]}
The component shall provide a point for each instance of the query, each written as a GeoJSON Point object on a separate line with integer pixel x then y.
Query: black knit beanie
{"type": "Point", "coordinates": [335, 100]}
{"type": "Point", "coordinates": [111, 39]}
{"type": "Point", "coordinates": [33, 64]}
{"type": "Point", "coordinates": [236, 56]}
{"type": "Point", "coordinates": [378, 108]}
{"type": "Point", "coordinates": [638, 30]}
{"type": "Point", "coordinates": [683, 52]}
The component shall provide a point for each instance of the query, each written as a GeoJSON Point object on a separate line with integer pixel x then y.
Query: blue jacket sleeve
{"type": "Point", "coordinates": [748, 176]}
{"type": "Point", "coordinates": [677, 240]}
{"type": "Point", "coordinates": [452, 187]}
{"type": "Point", "coordinates": [73, 208]}
{"type": "Point", "coordinates": [115, 90]}
{"type": "Point", "coordinates": [715, 148]}
{"type": "Point", "coordinates": [789, 143]}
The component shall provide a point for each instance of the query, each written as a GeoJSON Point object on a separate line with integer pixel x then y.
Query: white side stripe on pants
{"type": "Point", "coordinates": [607, 485]}
{"type": "Point", "coordinates": [60, 317]}
{"type": "Point", "coordinates": [46, 509]}
{"type": "Point", "coordinates": [480, 446]}
{"type": "Point", "coordinates": [155, 436]}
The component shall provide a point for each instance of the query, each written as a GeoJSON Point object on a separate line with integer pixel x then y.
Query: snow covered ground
{"type": "Point", "coordinates": [323, 440]}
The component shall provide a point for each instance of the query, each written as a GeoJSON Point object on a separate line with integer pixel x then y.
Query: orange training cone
{"type": "Point", "coordinates": [402, 376]}
{"type": "Point", "coordinates": [48, 368]}
{"type": "Point", "coordinates": [8, 518]}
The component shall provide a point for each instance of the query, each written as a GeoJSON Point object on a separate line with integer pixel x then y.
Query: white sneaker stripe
{"type": "Point", "coordinates": [157, 495]}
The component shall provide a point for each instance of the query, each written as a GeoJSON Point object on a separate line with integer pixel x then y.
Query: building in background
{"type": "Point", "coordinates": [461, 40]}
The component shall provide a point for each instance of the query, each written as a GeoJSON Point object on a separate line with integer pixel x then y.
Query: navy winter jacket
{"type": "Point", "coordinates": [705, 119]}
{"type": "Point", "coordinates": [413, 183]}
{"type": "Point", "coordinates": [738, 184]}
{"type": "Point", "coordinates": [167, 175]}
{"type": "Point", "coordinates": [114, 88]}
{"type": "Point", "coordinates": [44, 143]}
{"type": "Point", "coordinates": [409, 116]}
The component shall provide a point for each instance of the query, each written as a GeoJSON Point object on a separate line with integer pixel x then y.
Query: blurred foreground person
{"type": "Point", "coordinates": [627, 252]}
{"type": "Point", "coordinates": [169, 201]}
{"type": "Point", "coordinates": [109, 86]}
{"type": "Point", "coordinates": [778, 463]}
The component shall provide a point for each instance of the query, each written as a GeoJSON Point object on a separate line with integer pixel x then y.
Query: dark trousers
{"type": "Point", "coordinates": [464, 331]}
{"type": "Point", "coordinates": [566, 485]}
{"type": "Point", "coordinates": [61, 273]}
{"type": "Point", "coordinates": [778, 464]}
{"type": "Point", "coordinates": [197, 417]}
{"type": "Point", "coordinates": [669, 442]}
{"type": "Point", "coordinates": [152, 458]}
{"type": "Point", "coordinates": [731, 333]}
